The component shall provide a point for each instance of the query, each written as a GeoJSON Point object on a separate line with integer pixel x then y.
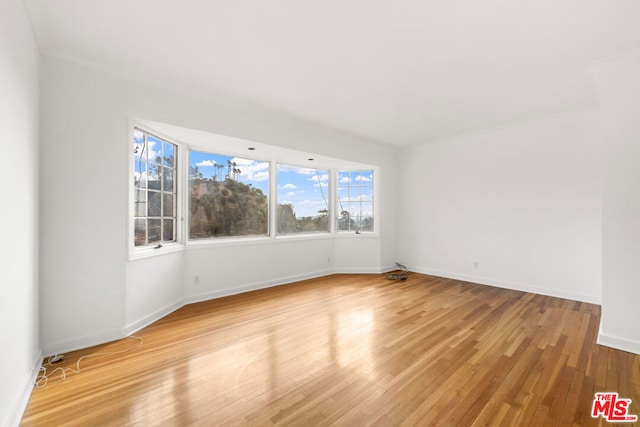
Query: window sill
{"type": "Point", "coordinates": [227, 241]}
{"type": "Point", "coordinates": [244, 241]}
{"type": "Point", "coordinates": [221, 242]}
{"type": "Point", "coordinates": [151, 251]}
{"type": "Point", "coordinates": [354, 235]}
{"type": "Point", "coordinates": [305, 236]}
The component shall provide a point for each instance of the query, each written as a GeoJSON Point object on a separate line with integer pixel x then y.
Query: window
{"type": "Point", "coordinates": [355, 201]}
{"type": "Point", "coordinates": [229, 196]}
{"type": "Point", "coordinates": [302, 200]}
{"type": "Point", "coordinates": [182, 195]}
{"type": "Point", "coordinates": [154, 182]}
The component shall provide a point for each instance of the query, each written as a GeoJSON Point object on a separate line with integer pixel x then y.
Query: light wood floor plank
{"type": "Point", "coordinates": [350, 350]}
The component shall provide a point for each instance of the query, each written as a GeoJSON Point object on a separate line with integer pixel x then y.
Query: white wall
{"type": "Point", "coordinates": [19, 76]}
{"type": "Point", "coordinates": [619, 88]}
{"type": "Point", "coordinates": [89, 290]}
{"type": "Point", "coordinates": [523, 201]}
{"type": "Point", "coordinates": [82, 211]}
{"type": "Point", "coordinates": [354, 255]}
{"type": "Point", "coordinates": [154, 289]}
{"type": "Point", "coordinates": [238, 268]}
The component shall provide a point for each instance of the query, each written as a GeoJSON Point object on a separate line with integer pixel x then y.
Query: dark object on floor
{"type": "Point", "coordinates": [399, 274]}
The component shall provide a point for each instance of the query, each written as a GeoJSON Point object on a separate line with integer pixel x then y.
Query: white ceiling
{"type": "Point", "coordinates": [398, 72]}
{"type": "Point", "coordinates": [231, 146]}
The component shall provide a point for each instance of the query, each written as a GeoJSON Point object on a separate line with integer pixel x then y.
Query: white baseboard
{"type": "Point", "coordinates": [254, 286]}
{"type": "Point", "coordinates": [362, 270]}
{"type": "Point", "coordinates": [617, 342]}
{"type": "Point", "coordinates": [84, 341]}
{"type": "Point", "coordinates": [25, 393]}
{"type": "Point", "coordinates": [388, 268]}
{"type": "Point", "coordinates": [153, 317]}
{"type": "Point", "coordinates": [575, 296]}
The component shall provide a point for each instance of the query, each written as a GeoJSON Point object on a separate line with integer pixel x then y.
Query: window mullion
{"type": "Point", "coordinates": [146, 177]}
{"type": "Point", "coordinates": [273, 199]}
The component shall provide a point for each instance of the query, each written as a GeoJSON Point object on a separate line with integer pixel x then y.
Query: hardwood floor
{"type": "Point", "coordinates": [351, 350]}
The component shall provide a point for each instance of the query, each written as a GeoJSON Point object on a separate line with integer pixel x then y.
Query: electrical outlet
{"type": "Point", "coordinates": [196, 279]}
{"type": "Point", "coordinates": [476, 264]}
{"type": "Point", "coordinates": [328, 260]}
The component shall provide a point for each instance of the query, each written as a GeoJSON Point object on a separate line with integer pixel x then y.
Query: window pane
{"type": "Point", "coordinates": [302, 200]}
{"type": "Point", "coordinates": [366, 209]}
{"type": "Point", "coordinates": [355, 201]}
{"type": "Point", "coordinates": [140, 233]}
{"type": "Point", "coordinates": [367, 223]}
{"type": "Point", "coordinates": [167, 230]}
{"type": "Point", "coordinates": [140, 203]}
{"type": "Point", "coordinates": [167, 179]}
{"type": "Point", "coordinates": [343, 178]}
{"type": "Point", "coordinates": [154, 230]}
{"type": "Point", "coordinates": [167, 205]}
{"type": "Point", "coordinates": [138, 141]}
{"type": "Point", "coordinates": [229, 196]}
{"type": "Point", "coordinates": [354, 193]}
{"type": "Point", "coordinates": [169, 155]}
{"type": "Point", "coordinates": [140, 174]}
{"type": "Point", "coordinates": [154, 188]}
{"type": "Point", "coordinates": [367, 178]}
{"type": "Point", "coordinates": [345, 223]}
{"type": "Point", "coordinates": [343, 194]}
{"type": "Point", "coordinates": [366, 194]}
{"type": "Point", "coordinates": [154, 176]}
{"type": "Point", "coordinates": [154, 149]}
{"type": "Point", "coordinates": [354, 212]}
{"type": "Point", "coordinates": [155, 201]}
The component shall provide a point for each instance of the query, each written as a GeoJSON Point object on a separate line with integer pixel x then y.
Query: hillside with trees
{"type": "Point", "coordinates": [226, 208]}
{"type": "Point", "coordinates": [223, 206]}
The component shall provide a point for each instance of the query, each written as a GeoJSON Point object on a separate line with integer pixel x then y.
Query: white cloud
{"type": "Point", "coordinates": [288, 186]}
{"type": "Point", "coordinates": [141, 150]}
{"type": "Point", "coordinates": [206, 163]}
{"type": "Point", "coordinates": [260, 176]}
{"type": "Point", "coordinates": [252, 170]}
{"type": "Point", "coordinates": [291, 193]}
{"type": "Point", "coordinates": [244, 162]}
{"type": "Point", "coordinates": [295, 169]}
{"type": "Point", "coordinates": [309, 207]}
{"type": "Point", "coordinates": [363, 198]}
{"type": "Point", "coordinates": [140, 177]}
{"type": "Point", "coordinates": [358, 178]}
{"type": "Point", "coordinates": [320, 179]}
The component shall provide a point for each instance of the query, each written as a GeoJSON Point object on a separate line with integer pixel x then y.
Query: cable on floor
{"type": "Point", "coordinates": [399, 274]}
{"type": "Point", "coordinates": [43, 377]}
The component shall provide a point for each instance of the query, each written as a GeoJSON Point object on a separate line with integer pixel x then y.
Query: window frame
{"type": "Point", "coordinates": [375, 188]}
{"type": "Point", "coordinates": [330, 227]}
{"type": "Point", "coordinates": [182, 202]}
{"type": "Point", "coordinates": [187, 200]}
{"type": "Point", "coordinates": [161, 247]}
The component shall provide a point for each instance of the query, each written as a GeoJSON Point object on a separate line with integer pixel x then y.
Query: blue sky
{"type": "Point", "coordinates": [254, 172]}
{"type": "Point", "coordinates": [306, 189]}
{"type": "Point", "coordinates": [355, 193]}
{"type": "Point", "coordinates": [152, 151]}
